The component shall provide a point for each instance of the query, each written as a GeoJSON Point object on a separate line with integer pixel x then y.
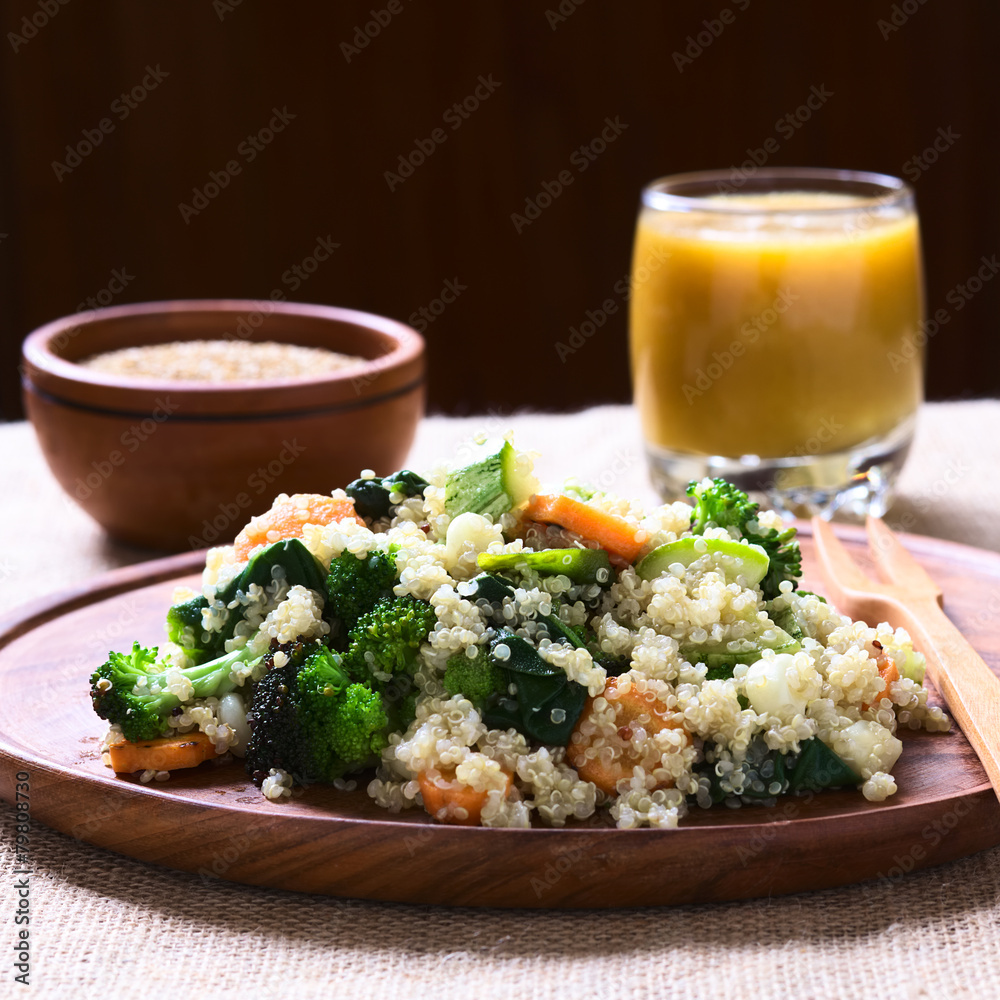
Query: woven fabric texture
{"type": "Point", "coordinates": [105, 925]}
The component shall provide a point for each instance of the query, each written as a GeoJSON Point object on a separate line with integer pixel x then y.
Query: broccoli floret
{"type": "Point", "coordinates": [355, 585]}
{"type": "Point", "coordinates": [721, 504]}
{"type": "Point", "coordinates": [359, 728]}
{"type": "Point", "coordinates": [142, 711]}
{"type": "Point", "coordinates": [784, 555]}
{"type": "Point", "coordinates": [309, 719]}
{"type": "Point", "coordinates": [477, 678]}
{"type": "Point", "coordinates": [185, 628]}
{"type": "Point", "coordinates": [385, 641]}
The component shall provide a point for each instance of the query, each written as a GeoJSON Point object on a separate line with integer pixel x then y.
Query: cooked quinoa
{"type": "Point", "coordinates": [675, 733]}
{"type": "Point", "coordinates": [220, 361]}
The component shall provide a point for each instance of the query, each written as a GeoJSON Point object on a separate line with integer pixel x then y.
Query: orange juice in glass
{"type": "Point", "coordinates": [775, 334]}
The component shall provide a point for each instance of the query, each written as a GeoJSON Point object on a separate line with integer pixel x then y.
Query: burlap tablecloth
{"type": "Point", "coordinates": [104, 923]}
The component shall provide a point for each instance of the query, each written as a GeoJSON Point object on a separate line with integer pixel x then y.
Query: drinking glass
{"type": "Point", "coordinates": [776, 333]}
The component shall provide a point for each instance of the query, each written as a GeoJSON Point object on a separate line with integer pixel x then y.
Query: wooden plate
{"type": "Point", "coordinates": [214, 822]}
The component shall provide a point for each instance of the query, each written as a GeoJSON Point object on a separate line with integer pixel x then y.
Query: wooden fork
{"type": "Point", "coordinates": [913, 600]}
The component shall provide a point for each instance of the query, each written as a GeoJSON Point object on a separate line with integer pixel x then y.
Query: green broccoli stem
{"type": "Point", "coordinates": [214, 679]}
{"type": "Point", "coordinates": [141, 711]}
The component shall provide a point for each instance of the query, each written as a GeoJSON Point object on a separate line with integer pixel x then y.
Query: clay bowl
{"type": "Point", "coordinates": [174, 465]}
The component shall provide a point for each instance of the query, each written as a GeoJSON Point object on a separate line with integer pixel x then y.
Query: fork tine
{"type": "Point", "coordinates": [897, 564]}
{"type": "Point", "coordinates": [842, 573]}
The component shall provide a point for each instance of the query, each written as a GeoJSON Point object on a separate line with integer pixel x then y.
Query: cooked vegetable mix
{"type": "Point", "coordinates": [502, 656]}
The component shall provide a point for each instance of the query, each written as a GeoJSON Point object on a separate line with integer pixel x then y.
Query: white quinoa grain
{"type": "Point", "coordinates": [716, 742]}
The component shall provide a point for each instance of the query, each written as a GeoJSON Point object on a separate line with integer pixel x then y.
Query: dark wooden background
{"type": "Point", "coordinates": [894, 89]}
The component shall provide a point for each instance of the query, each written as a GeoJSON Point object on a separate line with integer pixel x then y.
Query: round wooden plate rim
{"type": "Point", "coordinates": [21, 754]}
{"type": "Point", "coordinates": [27, 616]}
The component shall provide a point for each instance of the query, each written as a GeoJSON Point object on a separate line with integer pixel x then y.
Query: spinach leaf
{"type": "Point", "coordinates": [546, 703]}
{"type": "Point", "coordinates": [372, 496]}
{"type": "Point", "coordinates": [300, 566]}
{"type": "Point", "coordinates": [816, 767]}
{"type": "Point", "coordinates": [495, 588]}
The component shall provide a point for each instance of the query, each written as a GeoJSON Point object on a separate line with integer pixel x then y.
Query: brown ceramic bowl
{"type": "Point", "coordinates": [174, 465]}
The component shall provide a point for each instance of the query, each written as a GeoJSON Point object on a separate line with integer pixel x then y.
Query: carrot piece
{"type": "Point", "coordinates": [632, 707]}
{"type": "Point", "coordinates": [449, 801]}
{"type": "Point", "coordinates": [889, 672]}
{"type": "Point", "coordinates": [165, 754]}
{"type": "Point", "coordinates": [609, 531]}
{"type": "Point", "coordinates": [288, 516]}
